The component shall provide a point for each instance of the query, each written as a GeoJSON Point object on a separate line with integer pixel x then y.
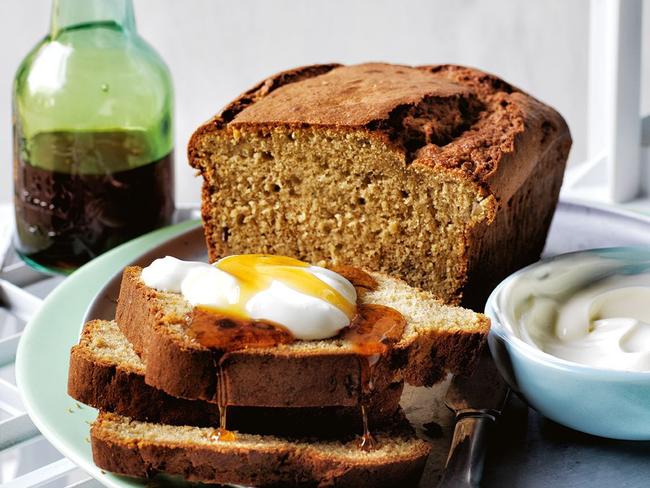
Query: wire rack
{"type": "Point", "coordinates": [27, 459]}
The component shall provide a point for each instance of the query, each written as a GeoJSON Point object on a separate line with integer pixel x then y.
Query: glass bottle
{"type": "Point", "coordinates": [93, 140]}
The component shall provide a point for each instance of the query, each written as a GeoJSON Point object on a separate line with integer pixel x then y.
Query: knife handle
{"type": "Point", "coordinates": [464, 465]}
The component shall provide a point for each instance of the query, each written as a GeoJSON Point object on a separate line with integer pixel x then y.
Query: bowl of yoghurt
{"type": "Point", "coordinates": [571, 335]}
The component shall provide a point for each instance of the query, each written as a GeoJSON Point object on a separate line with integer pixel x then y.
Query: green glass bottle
{"type": "Point", "coordinates": [93, 138]}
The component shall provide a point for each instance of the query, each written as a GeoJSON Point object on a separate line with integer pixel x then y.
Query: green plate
{"type": "Point", "coordinates": [44, 349]}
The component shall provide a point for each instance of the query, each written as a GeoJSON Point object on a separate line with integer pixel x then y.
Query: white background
{"type": "Point", "coordinates": [216, 49]}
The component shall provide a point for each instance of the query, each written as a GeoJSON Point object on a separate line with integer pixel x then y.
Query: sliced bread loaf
{"type": "Point", "coordinates": [106, 373]}
{"type": "Point", "coordinates": [437, 339]}
{"type": "Point", "coordinates": [444, 176]}
{"type": "Point", "coordinates": [142, 449]}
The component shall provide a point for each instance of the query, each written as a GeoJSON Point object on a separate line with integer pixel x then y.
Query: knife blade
{"type": "Point", "coordinates": [477, 401]}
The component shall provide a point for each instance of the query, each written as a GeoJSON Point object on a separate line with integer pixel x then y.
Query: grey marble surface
{"type": "Point", "coordinates": [528, 450]}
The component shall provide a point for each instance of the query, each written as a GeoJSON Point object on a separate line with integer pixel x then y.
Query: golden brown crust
{"type": "Point", "coordinates": [140, 316]}
{"type": "Point", "coordinates": [450, 117]}
{"type": "Point", "coordinates": [517, 236]}
{"type": "Point", "coordinates": [515, 127]}
{"type": "Point", "coordinates": [436, 354]}
{"type": "Point", "coordinates": [250, 96]}
{"type": "Point", "coordinates": [349, 96]}
{"type": "Point", "coordinates": [111, 388]}
{"type": "Point", "coordinates": [276, 464]}
{"type": "Point", "coordinates": [333, 379]}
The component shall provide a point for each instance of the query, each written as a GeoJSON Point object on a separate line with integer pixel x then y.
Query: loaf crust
{"type": "Point", "coordinates": [518, 232]}
{"type": "Point", "coordinates": [323, 374]}
{"type": "Point", "coordinates": [448, 120]}
{"type": "Point", "coordinates": [119, 445]}
{"type": "Point", "coordinates": [382, 93]}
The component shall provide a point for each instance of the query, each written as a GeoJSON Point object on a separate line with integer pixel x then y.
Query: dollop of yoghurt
{"type": "Point", "coordinates": [585, 312]}
{"type": "Point", "coordinates": [310, 301]}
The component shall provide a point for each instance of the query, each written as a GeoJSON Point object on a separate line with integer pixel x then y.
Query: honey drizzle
{"type": "Point", "coordinates": [222, 433]}
{"type": "Point", "coordinates": [256, 272]}
{"type": "Point", "coordinates": [215, 330]}
{"type": "Point", "coordinates": [371, 342]}
{"type": "Point", "coordinates": [367, 441]}
{"type": "Point", "coordinates": [373, 329]}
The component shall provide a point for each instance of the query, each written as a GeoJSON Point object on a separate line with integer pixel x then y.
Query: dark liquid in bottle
{"type": "Point", "coordinates": [78, 195]}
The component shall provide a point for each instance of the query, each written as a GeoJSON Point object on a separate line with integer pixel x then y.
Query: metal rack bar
{"type": "Point", "coordinates": [44, 475]}
{"type": "Point", "coordinates": [27, 460]}
{"type": "Point", "coordinates": [19, 446]}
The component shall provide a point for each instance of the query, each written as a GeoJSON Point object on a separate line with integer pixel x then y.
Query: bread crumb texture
{"type": "Point", "coordinates": [102, 341]}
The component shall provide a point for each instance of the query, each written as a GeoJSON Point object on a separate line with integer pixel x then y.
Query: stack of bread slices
{"type": "Point", "coordinates": [435, 178]}
{"type": "Point", "coordinates": [294, 410]}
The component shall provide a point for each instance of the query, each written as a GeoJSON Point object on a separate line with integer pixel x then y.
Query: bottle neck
{"type": "Point", "coordinates": [68, 14]}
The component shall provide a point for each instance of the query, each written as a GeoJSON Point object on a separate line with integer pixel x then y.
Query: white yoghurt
{"type": "Point", "coordinates": [585, 313]}
{"type": "Point", "coordinates": [307, 317]}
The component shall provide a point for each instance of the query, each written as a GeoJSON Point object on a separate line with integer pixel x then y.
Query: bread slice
{"type": "Point", "coordinates": [142, 449]}
{"type": "Point", "coordinates": [437, 339]}
{"type": "Point", "coordinates": [106, 373]}
{"type": "Point", "coordinates": [444, 176]}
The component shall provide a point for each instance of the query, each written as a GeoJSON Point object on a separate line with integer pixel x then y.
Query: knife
{"type": "Point", "coordinates": [477, 401]}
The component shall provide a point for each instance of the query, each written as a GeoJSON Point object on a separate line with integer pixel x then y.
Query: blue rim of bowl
{"type": "Point", "coordinates": [493, 311]}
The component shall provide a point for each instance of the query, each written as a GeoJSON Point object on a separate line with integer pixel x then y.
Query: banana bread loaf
{"type": "Point", "coordinates": [444, 176]}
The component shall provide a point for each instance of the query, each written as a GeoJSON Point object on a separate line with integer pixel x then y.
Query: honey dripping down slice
{"type": "Point", "coordinates": [215, 330]}
{"type": "Point", "coordinates": [373, 331]}
{"type": "Point", "coordinates": [222, 434]}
